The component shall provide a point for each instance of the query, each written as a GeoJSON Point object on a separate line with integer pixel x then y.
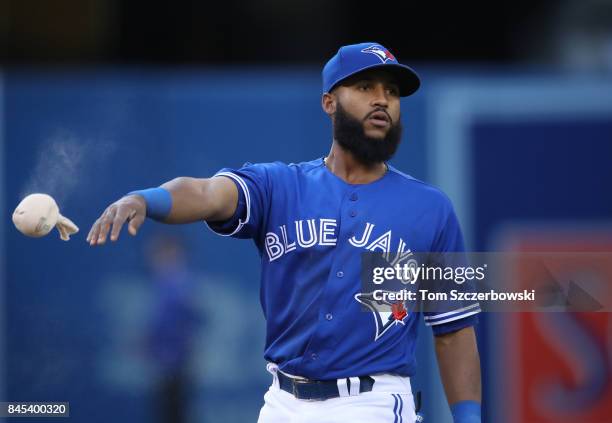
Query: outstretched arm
{"type": "Point", "coordinates": [193, 199]}
{"type": "Point", "coordinates": [459, 364]}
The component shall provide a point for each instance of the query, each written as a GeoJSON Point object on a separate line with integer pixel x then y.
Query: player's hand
{"type": "Point", "coordinates": [131, 208]}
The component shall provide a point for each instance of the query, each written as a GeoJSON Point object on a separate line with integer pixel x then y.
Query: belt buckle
{"type": "Point", "coordinates": [297, 381]}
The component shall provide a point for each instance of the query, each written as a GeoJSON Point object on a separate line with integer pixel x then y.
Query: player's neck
{"type": "Point", "coordinates": [344, 165]}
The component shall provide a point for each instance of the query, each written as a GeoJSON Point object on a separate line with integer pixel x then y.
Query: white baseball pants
{"type": "Point", "coordinates": [389, 401]}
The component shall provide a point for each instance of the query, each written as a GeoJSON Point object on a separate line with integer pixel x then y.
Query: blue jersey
{"type": "Point", "coordinates": [311, 229]}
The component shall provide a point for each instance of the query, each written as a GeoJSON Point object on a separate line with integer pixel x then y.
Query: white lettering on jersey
{"type": "Point", "coordinates": [312, 240]}
{"type": "Point", "coordinates": [402, 254]}
{"type": "Point", "coordinates": [273, 246]}
{"type": "Point", "coordinates": [364, 238]}
{"type": "Point", "coordinates": [383, 243]}
{"type": "Point", "coordinates": [288, 247]}
{"type": "Point", "coordinates": [327, 228]}
{"type": "Point", "coordinates": [325, 235]}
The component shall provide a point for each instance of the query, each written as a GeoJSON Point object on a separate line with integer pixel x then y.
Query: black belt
{"type": "Point", "coordinates": [318, 390]}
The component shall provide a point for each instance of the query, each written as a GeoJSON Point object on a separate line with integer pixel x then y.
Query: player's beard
{"type": "Point", "coordinates": [350, 134]}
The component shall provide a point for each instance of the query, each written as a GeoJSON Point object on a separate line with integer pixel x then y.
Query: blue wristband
{"type": "Point", "coordinates": [466, 412]}
{"type": "Point", "coordinates": [159, 202]}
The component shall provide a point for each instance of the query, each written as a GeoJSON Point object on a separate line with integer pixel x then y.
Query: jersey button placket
{"type": "Point", "coordinates": [353, 197]}
{"type": "Point", "coordinates": [338, 278]}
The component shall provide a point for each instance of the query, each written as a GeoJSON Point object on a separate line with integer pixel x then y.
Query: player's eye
{"type": "Point", "coordinates": [394, 91]}
{"type": "Point", "coordinates": [363, 86]}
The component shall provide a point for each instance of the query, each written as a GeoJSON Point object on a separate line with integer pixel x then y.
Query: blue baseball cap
{"type": "Point", "coordinates": [355, 58]}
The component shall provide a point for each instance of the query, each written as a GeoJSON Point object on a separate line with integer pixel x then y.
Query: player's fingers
{"type": "Point", "coordinates": [121, 216]}
{"type": "Point", "coordinates": [105, 224]}
{"type": "Point", "coordinates": [135, 223]}
{"type": "Point", "coordinates": [93, 232]}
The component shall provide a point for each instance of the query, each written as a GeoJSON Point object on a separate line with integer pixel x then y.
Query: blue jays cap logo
{"type": "Point", "coordinates": [382, 53]}
{"type": "Point", "coordinates": [384, 320]}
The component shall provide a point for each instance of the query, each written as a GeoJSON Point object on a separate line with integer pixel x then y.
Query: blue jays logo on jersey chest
{"type": "Point", "coordinates": [386, 314]}
{"type": "Point", "coordinates": [308, 233]}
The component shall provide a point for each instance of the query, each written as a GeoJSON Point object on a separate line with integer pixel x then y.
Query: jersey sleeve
{"type": "Point", "coordinates": [460, 314]}
{"type": "Point", "coordinates": [252, 183]}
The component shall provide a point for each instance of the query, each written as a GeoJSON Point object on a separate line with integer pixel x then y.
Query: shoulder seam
{"type": "Point", "coordinates": [312, 166]}
{"type": "Point", "coordinates": [412, 178]}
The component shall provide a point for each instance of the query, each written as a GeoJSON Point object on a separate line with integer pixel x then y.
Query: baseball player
{"type": "Point", "coordinates": [330, 360]}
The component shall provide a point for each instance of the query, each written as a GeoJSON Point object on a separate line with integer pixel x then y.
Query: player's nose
{"type": "Point", "coordinates": [379, 96]}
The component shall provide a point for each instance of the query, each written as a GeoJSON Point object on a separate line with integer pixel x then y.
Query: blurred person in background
{"type": "Point", "coordinates": [173, 326]}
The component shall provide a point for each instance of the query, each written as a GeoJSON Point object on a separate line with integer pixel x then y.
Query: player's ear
{"type": "Point", "coordinates": [328, 103]}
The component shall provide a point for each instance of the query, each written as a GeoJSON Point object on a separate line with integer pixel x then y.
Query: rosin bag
{"type": "Point", "coordinates": [37, 214]}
